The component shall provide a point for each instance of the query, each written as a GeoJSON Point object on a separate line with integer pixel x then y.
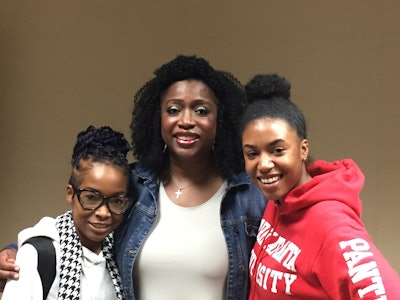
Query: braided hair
{"type": "Point", "coordinates": [101, 144]}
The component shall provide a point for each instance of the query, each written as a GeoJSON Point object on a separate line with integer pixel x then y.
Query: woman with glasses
{"type": "Point", "coordinates": [82, 237]}
{"type": "Point", "coordinates": [194, 221]}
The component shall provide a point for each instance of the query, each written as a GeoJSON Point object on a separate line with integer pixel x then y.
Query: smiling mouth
{"type": "Point", "coordinates": [186, 139]}
{"type": "Point", "coordinates": [100, 226]}
{"type": "Point", "coordinates": [270, 180]}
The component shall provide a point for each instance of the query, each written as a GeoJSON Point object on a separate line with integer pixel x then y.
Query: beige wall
{"type": "Point", "coordinates": [67, 64]}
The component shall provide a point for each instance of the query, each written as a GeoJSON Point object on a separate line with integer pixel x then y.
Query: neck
{"type": "Point", "coordinates": [199, 182]}
{"type": "Point", "coordinates": [191, 173]}
{"type": "Point", "coordinates": [192, 169]}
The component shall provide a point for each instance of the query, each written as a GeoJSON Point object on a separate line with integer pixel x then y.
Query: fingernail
{"type": "Point", "coordinates": [16, 276]}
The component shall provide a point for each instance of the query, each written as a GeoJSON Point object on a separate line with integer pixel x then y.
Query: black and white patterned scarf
{"type": "Point", "coordinates": [71, 259]}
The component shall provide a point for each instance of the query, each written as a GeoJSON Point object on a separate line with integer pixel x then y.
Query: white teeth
{"type": "Point", "coordinates": [270, 179]}
{"type": "Point", "coordinates": [186, 138]}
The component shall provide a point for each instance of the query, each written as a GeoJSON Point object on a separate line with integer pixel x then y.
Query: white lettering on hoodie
{"type": "Point", "coordinates": [356, 251]}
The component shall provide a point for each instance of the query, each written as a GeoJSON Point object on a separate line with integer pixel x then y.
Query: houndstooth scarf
{"type": "Point", "coordinates": [71, 257]}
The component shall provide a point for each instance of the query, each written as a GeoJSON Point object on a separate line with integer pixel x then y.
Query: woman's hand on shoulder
{"type": "Point", "coordinates": [8, 269]}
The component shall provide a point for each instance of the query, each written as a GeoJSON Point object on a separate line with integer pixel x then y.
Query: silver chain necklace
{"type": "Point", "coordinates": [179, 192]}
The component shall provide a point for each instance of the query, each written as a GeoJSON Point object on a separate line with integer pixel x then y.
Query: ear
{"type": "Point", "coordinates": [69, 194]}
{"type": "Point", "coordinates": [304, 148]}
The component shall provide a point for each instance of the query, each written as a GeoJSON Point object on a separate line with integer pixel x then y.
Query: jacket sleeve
{"type": "Point", "coordinates": [349, 266]}
{"type": "Point", "coordinates": [29, 285]}
{"type": "Point", "coordinates": [11, 246]}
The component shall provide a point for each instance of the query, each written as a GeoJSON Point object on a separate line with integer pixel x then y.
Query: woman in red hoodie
{"type": "Point", "coordinates": [311, 243]}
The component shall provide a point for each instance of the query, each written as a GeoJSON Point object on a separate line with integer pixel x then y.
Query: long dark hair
{"type": "Point", "coordinates": [146, 116]}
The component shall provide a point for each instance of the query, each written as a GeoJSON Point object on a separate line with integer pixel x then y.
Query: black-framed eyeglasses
{"type": "Point", "coordinates": [91, 199]}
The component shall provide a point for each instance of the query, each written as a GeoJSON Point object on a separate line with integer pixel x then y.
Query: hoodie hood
{"type": "Point", "coordinates": [331, 181]}
{"type": "Point", "coordinates": [45, 227]}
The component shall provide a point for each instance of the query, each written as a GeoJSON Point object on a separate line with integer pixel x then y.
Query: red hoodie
{"type": "Point", "coordinates": [314, 245]}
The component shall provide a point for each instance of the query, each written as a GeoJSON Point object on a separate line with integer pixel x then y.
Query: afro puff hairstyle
{"type": "Point", "coordinates": [269, 97]}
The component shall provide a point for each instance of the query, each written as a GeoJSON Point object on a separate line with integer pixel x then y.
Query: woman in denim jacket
{"type": "Point", "coordinates": [196, 215]}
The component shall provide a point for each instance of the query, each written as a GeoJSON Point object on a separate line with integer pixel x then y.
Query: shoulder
{"type": "Point", "coordinates": [335, 220]}
{"type": "Point", "coordinates": [244, 197]}
{"type": "Point", "coordinates": [241, 185]}
{"type": "Point", "coordinates": [45, 227]}
{"type": "Point", "coordinates": [139, 173]}
{"type": "Point", "coordinates": [348, 251]}
{"type": "Point", "coordinates": [28, 286]}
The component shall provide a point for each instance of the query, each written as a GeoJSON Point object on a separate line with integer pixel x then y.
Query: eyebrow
{"type": "Point", "coordinates": [97, 191]}
{"type": "Point", "coordinates": [273, 143]}
{"type": "Point", "coordinates": [197, 101]}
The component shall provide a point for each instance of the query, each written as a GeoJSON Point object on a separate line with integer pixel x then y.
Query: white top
{"type": "Point", "coordinates": [185, 257]}
{"type": "Point", "coordinates": [95, 281]}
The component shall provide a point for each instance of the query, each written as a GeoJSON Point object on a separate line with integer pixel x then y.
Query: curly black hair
{"type": "Point", "coordinates": [269, 97]}
{"type": "Point", "coordinates": [146, 116]}
{"type": "Point", "coordinates": [101, 144]}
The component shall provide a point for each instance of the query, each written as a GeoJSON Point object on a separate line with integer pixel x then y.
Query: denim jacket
{"type": "Point", "coordinates": [241, 211]}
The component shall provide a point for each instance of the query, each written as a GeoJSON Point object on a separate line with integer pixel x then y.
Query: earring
{"type": "Point", "coordinates": [165, 148]}
{"type": "Point", "coordinates": [213, 146]}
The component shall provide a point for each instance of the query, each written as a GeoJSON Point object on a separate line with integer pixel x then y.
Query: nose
{"type": "Point", "coordinates": [103, 211]}
{"type": "Point", "coordinates": [186, 120]}
{"type": "Point", "coordinates": [265, 163]}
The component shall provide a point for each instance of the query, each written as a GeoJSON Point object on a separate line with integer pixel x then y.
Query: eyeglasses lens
{"type": "Point", "coordinates": [92, 200]}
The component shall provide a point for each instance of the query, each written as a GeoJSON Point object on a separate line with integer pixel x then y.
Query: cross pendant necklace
{"type": "Point", "coordinates": [179, 192]}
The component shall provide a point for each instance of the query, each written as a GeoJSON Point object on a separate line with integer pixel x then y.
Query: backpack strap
{"type": "Point", "coordinates": [46, 261]}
